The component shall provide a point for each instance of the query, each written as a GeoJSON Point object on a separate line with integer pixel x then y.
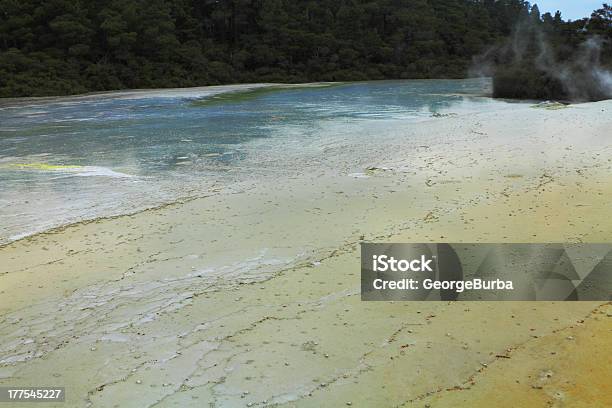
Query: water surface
{"type": "Point", "coordinates": [67, 159]}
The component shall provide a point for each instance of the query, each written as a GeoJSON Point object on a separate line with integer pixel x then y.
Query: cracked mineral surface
{"type": "Point", "coordinates": [250, 296]}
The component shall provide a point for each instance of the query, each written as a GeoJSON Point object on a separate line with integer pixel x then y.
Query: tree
{"type": "Point", "coordinates": [70, 46]}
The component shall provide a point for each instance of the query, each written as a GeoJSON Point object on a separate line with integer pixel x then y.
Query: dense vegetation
{"type": "Point", "coordinates": [547, 58]}
{"type": "Point", "coordinates": [71, 46]}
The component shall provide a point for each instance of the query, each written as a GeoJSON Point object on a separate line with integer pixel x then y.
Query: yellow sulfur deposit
{"type": "Point", "coordinates": [41, 166]}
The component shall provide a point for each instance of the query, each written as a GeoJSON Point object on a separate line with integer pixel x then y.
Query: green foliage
{"type": "Point", "coordinates": [520, 82]}
{"type": "Point", "coordinates": [56, 47]}
{"type": "Point", "coordinates": [546, 58]}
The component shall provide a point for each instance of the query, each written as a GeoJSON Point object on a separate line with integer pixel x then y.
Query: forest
{"type": "Point", "coordinates": [59, 47]}
{"type": "Point", "coordinates": [546, 58]}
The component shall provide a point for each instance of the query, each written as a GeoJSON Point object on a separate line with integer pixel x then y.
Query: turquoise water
{"type": "Point", "coordinates": [67, 159]}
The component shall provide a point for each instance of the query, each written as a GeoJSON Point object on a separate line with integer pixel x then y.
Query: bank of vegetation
{"type": "Point", "coordinates": [57, 47]}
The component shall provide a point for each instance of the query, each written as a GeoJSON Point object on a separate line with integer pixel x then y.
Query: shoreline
{"type": "Point", "coordinates": [122, 93]}
{"type": "Point", "coordinates": [238, 85]}
{"type": "Point", "coordinates": [193, 92]}
{"type": "Point", "coordinates": [218, 299]}
{"type": "Point", "coordinates": [61, 228]}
